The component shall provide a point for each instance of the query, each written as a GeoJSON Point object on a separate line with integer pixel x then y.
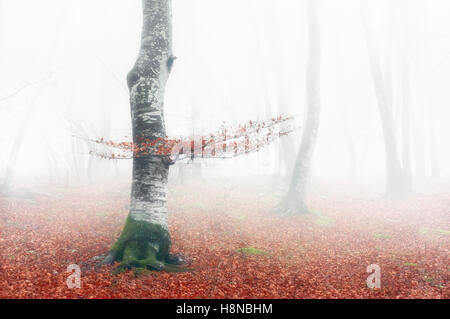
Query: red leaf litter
{"type": "Point", "coordinates": [236, 246]}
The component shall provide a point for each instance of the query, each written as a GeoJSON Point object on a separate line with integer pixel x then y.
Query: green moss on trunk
{"type": "Point", "coordinates": [138, 237]}
{"type": "Point", "coordinates": [142, 245]}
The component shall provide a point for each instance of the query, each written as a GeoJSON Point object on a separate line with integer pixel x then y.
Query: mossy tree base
{"type": "Point", "coordinates": [144, 245]}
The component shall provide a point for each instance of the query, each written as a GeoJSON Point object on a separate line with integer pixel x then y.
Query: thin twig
{"type": "Point", "coordinates": [25, 86]}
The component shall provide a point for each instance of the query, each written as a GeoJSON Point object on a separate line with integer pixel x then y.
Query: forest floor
{"type": "Point", "coordinates": [237, 247]}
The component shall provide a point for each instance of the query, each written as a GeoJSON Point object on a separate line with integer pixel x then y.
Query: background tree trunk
{"type": "Point", "coordinates": [287, 147]}
{"type": "Point", "coordinates": [406, 107]}
{"type": "Point", "coordinates": [294, 203]}
{"type": "Point", "coordinates": [8, 178]}
{"type": "Point", "coordinates": [395, 183]}
{"type": "Point", "coordinates": [432, 140]}
{"type": "Point", "coordinates": [423, 108]}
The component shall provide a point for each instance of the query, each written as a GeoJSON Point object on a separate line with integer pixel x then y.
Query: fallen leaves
{"type": "Point", "coordinates": [236, 245]}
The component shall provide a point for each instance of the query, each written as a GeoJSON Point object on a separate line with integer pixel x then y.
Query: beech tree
{"type": "Point", "coordinates": [145, 240]}
{"type": "Point", "coordinates": [287, 145]}
{"type": "Point", "coordinates": [7, 182]}
{"type": "Point", "coordinates": [396, 184]}
{"type": "Point", "coordinates": [294, 201]}
{"type": "Point", "coordinates": [424, 125]}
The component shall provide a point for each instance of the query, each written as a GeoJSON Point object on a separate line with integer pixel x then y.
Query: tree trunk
{"type": "Point", "coordinates": [407, 98]}
{"type": "Point", "coordinates": [423, 108]}
{"type": "Point", "coordinates": [287, 147]}
{"type": "Point", "coordinates": [395, 184]}
{"type": "Point", "coordinates": [1, 28]}
{"type": "Point", "coordinates": [8, 178]}
{"type": "Point", "coordinates": [432, 140]}
{"type": "Point", "coordinates": [265, 85]}
{"type": "Point", "coordinates": [145, 239]}
{"type": "Point", "coordinates": [426, 148]}
{"type": "Point", "coordinates": [294, 203]}
{"type": "Point", "coordinates": [353, 163]}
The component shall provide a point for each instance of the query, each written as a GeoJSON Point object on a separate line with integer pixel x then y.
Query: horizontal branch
{"type": "Point", "coordinates": [227, 142]}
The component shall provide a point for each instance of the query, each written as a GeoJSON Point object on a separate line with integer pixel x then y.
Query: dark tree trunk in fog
{"type": "Point", "coordinates": [426, 143]}
{"type": "Point", "coordinates": [1, 26]}
{"type": "Point", "coordinates": [197, 166]}
{"type": "Point", "coordinates": [145, 239]}
{"type": "Point", "coordinates": [407, 98]}
{"type": "Point", "coordinates": [341, 85]}
{"type": "Point", "coordinates": [287, 147]}
{"type": "Point", "coordinates": [432, 141]}
{"type": "Point", "coordinates": [294, 203]}
{"type": "Point", "coordinates": [264, 80]}
{"type": "Point", "coordinates": [100, 168]}
{"type": "Point", "coordinates": [51, 160]}
{"type": "Point", "coordinates": [8, 178]}
{"type": "Point", "coordinates": [395, 179]}
{"type": "Point", "coordinates": [353, 163]}
{"type": "Point", "coordinates": [423, 109]}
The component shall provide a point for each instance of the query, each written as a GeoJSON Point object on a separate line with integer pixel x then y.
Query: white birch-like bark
{"type": "Point", "coordinates": [146, 233]}
{"type": "Point", "coordinates": [147, 81]}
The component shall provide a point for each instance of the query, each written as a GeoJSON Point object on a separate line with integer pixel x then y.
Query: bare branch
{"type": "Point", "coordinates": [25, 86]}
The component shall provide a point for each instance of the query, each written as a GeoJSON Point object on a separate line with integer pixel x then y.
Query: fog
{"type": "Point", "coordinates": [64, 66]}
{"type": "Point", "coordinates": [258, 149]}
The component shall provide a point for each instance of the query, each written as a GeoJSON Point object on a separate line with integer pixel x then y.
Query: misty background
{"type": "Point", "coordinates": [64, 64]}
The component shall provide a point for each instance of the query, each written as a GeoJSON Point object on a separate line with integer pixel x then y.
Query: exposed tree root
{"type": "Point", "coordinates": [144, 245]}
{"type": "Point", "coordinates": [292, 207]}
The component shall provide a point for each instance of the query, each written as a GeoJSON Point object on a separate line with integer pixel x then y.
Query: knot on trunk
{"type": "Point", "coordinates": [170, 62]}
{"type": "Point", "coordinates": [167, 161]}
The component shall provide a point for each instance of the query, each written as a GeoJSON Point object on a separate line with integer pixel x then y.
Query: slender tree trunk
{"type": "Point", "coordinates": [349, 138]}
{"type": "Point", "coordinates": [353, 163]}
{"type": "Point", "coordinates": [197, 128]}
{"type": "Point", "coordinates": [90, 169]}
{"type": "Point", "coordinates": [407, 98]}
{"type": "Point", "coordinates": [420, 119]}
{"type": "Point", "coordinates": [432, 140]}
{"type": "Point", "coordinates": [196, 169]}
{"type": "Point", "coordinates": [8, 178]}
{"type": "Point", "coordinates": [51, 161]}
{"type": "Point", "coordinates": [426, 147]}
{"type": "Point", "coordinates": [260, 49]}
{"type": "Point", "coordinates": [103, 167]}
{"type": "Point", "coordinates": [286, 144]}
{"type": "Point", "coordinates": [395, 184]}
{"type": "Point", "coordinates": [294, 203]}
{"type": "Point", "coordinates": [21, 133]}
{"type": "Point", "coordinates": [76, 158]}
{"type": "Point", "coordinates": [419, 139]}
{"type": "Point", "coordinates": [1, 28]}
{"type": "Point", "coordinates": [145, 239]}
